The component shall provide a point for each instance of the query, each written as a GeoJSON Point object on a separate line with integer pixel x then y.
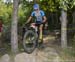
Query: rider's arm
{"type": "Point", "coordinates": [44, 18]}
{"type": "Point", "coordinates": [29, 19]}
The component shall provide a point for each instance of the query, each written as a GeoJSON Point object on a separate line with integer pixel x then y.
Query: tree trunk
{"type": "Point", "coordinates": [14, 35]}
{"type": "Point", "coordinates": [63, 20]}
{"type": "Point", "coordinates": [0, 39]}
{"type": "Point", "coordinates": [73, 20]}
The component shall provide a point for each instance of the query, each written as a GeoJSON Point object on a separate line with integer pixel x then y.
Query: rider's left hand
{"type": "Point", "coordinates": [44, 21]}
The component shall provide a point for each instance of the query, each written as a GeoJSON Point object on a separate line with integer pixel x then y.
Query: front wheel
{"type": "Point", "coordinates": [29, 41]}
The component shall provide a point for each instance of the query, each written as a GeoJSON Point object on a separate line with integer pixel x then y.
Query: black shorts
{"type": "Point", "coordinates": [38, 23]}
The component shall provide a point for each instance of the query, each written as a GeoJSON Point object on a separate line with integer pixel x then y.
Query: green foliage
{"type": "Point", "coordinates": [5, 12]}
{"type": "Point", "coordinates": [49, 5]}
{"type": "Point", "coordinates": [54, 5]}
{"type": "Point", "coordinates": [25, 9]}
{"type": "Point", "coordinates": [66, 4]}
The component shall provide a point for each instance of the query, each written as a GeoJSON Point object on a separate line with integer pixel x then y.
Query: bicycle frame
{"type": "Point", "coordinates": [33, 25]}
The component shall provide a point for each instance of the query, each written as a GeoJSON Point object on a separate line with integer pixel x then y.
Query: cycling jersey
{"type": "Point", "coordinates": [39, 16]}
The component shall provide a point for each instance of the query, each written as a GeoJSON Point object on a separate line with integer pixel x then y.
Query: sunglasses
{"type": "Point", "coordinates": [35, 9]}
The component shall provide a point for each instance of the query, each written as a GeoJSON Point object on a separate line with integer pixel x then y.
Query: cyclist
{"type": "Point", "coordinates": [40, 19]}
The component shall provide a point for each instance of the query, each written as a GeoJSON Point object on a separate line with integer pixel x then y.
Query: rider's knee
{"type": "Point", "coordinates": [40, 28]}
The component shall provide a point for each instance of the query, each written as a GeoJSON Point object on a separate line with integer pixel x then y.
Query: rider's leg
{"type": "Point", "coordinates": [41, 36]}
{"type": "Point", "coordinates": [41, 32]}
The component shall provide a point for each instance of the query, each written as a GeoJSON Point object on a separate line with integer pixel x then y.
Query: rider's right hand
{"type": "Point", "coordinates": [26, 23]}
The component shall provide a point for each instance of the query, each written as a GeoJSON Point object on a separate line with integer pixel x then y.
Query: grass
{"type": "Point", "coordinates": [67, 54]}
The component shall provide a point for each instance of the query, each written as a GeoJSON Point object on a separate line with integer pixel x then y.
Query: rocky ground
{"type": "Point", "coordinates": [47, 54]}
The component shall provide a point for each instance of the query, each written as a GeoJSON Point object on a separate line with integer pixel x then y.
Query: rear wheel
{"type": "Point", "coordinates": [29, 41]}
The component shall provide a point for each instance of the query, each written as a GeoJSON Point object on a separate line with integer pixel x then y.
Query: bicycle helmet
{"type": "Point", "coordinates": [36, 6]}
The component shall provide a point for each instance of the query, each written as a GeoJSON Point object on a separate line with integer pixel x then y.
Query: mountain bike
{"type": "Point", "coordinates": [31, 37]}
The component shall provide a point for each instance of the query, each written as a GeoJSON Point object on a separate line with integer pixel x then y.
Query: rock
{"type": "Point", "coordinates": [5, 58]}
{"type": "Point", "coordinates": [24, 57]}
{"type": "Point", "coordinates": [49, 55]}
{"type": "Point", "coordinates": [46, 55]}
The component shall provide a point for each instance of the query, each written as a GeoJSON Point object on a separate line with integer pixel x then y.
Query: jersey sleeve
{"type": "Point", "coordinates": [32, 14]}
{"type": "Point", "coordinates": [42, 13]}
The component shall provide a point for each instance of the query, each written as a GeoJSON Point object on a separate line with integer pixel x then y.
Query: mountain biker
{"type": "Point", "coordinates": [40, 19]}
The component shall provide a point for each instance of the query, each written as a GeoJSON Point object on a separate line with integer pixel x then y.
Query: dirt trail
{"type": "Point", "coordinates": [48, 54]}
